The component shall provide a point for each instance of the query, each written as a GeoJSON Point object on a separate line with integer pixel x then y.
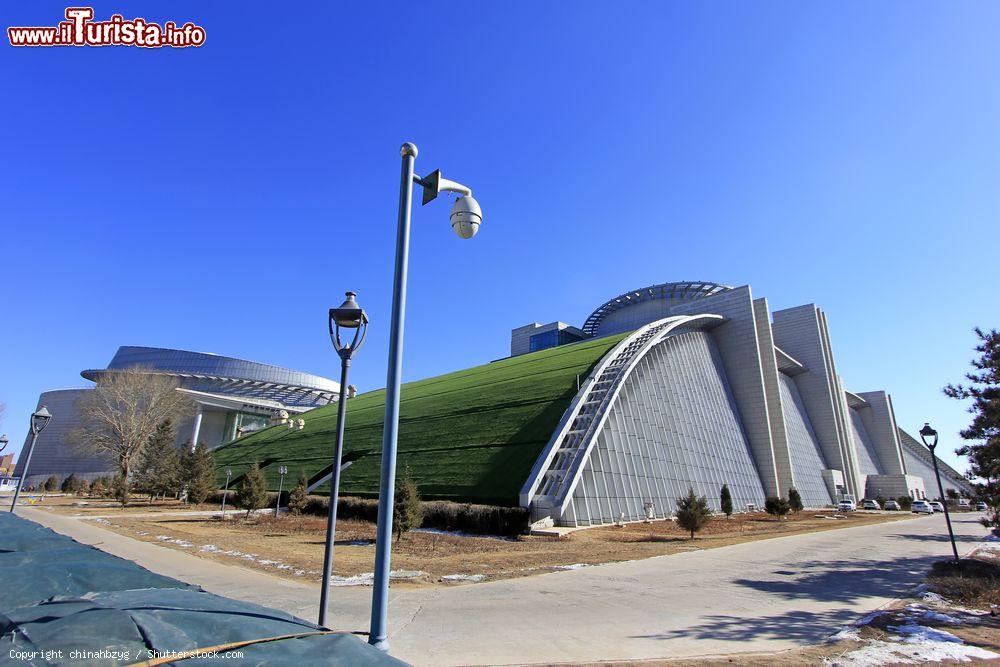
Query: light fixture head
{"type": "Point", "coordinates": [229, 472]}
{"type": "Point", "coordinates": [349, 315]}
{"type": "Point", "coordinates": [466, 216]}
{"type": "Point", "coordinates": [3, 442]}
{"type": "Point", "coordinates": [39, 419]}
{"type": "Point", "coordinates": [929, 436]}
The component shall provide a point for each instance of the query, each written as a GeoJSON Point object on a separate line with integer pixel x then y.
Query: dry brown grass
{"type": "Point", "coordinates": [297, 542]}
{"type": "Point", "coordinates": [972, 582]}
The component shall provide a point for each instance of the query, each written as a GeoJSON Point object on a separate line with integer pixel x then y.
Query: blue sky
{"type": "Point", "coordinates": [220, 199]}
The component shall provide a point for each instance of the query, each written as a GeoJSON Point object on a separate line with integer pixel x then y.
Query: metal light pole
{"type": "Point", "coordinates": [225, 492]}
{"type": "Point", "coordinates": [349, 316]}
{"type": "Point", "coordinates": [466, 217]}
{"type": "Point", "coordinates": [930, 438]}
{"type": "Point", "coordinates": [39, 419]}
{"type": "Point", "coordinates": [282, 471]}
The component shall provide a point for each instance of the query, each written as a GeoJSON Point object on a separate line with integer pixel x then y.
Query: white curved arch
{"type": "Point", "coordinates": [556, 473]}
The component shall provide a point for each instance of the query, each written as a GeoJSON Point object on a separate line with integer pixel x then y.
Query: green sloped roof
{"type": "Point", "coordinates": [468, 436]}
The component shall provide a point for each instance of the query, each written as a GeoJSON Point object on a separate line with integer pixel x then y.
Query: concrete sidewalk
{"type": "Point", "coordinates": [764, 596]}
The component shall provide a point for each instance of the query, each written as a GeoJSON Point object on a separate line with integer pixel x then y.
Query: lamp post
{"type": "Point", "coordinates": [930, 438]}
{"type": "Point", "coordinates": [466, 217]}
{"type": "Point", "coordinates": [3, 442]}
{"type": "Point", "coordinates": [39, 419]}
{"type": "Point", "coordinates": [282, 471]}
{"type": "Point", "coordinates": [349, 316]}
{"type": "Point", "coordinates": [225, 492]}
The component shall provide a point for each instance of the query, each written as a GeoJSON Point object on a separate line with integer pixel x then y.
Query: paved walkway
{"type": "Point", "coordinates": [762, 596]}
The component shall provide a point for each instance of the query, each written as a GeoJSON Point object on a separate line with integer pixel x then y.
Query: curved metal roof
{"type": "Point", "coordinates": [676, 291]}
{"type": "Point", "coordinates": [235, 376]}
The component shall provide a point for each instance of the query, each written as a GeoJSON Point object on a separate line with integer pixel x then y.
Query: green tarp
{"type": "Point", "coordinates": [64, 603]}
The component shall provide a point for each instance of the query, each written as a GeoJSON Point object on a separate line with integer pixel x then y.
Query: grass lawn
{"type": "Point", "coordinates": [470, 436]}
{"type": "Point", "coordinates": [293, 546]}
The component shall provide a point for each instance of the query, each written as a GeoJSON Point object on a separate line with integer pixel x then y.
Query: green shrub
{"type": "Point", "coordinates": [297, 498]}
{"type": "Point", "coordinates": [406, 512]}
{"type": "Point", "coordinates": [197, 474]}
{"type": "Point", "coordinates": [52, 483]}
{"type": "Point", "coordinates": [251, 494]}
{"type": "Point", "coordinates": [905, 502]}
{"type": "Point", "coordinates": [794, 500]}
{"type": "Point", "coordinates": [120, 490]}
{"type": "Point", "coordinates": [776, 506]}
{"type": "Point", "coordinates": [692, 512]}
{"type": "Point", "coordinates": [70, 484]}
{"type": "Point", "coordinates": [726, 501]}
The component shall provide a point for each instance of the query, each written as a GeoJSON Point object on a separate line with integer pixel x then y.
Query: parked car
{"type": "Point", "coordinates": [846, 506]}
{"type": "Point", "coordinates": [921, 507]}
{"type": "Point", "coordinates": [963, 502]}
{"type": "Point", "coordinates": [892, 506]}
{"type": "Point", "coordinates": [936, 506]}
{"type": "Point", "coordinates": [981, 506]}
{"type": "Point", "coordinates": [869, 504]}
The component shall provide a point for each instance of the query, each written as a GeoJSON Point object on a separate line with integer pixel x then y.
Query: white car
{"type": "Point", "coordinates": [938, 507]}
{"type": "Point", "coordinates": [846, 506]}
{"type": "Point", "coordinates": [868, 504]}
{"type": "Point", "coordinates": [921, 507]}
{"type": "Point", "coordinates": [963, 502]}
{"type": "Point", "coordinates": [980, 506]}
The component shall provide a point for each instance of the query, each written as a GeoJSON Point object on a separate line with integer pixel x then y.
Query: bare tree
{"type": "Point", "coordinates": [121, 413]}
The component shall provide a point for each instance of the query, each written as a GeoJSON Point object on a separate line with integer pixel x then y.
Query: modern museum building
{"type": "Point", "coordinates": [677, 385]}
{"type": "Point", "coordinates": [232, 397]}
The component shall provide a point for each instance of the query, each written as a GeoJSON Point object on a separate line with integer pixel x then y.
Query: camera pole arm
{"type": "Point", "coordinates": [434, 184]}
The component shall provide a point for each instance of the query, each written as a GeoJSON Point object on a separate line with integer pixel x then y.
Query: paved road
{"type": "Point", "coordinates": [763, 596]}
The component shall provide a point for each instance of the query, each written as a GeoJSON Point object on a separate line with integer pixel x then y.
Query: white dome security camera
{"type": "Point", "coordinates": [466, 216]}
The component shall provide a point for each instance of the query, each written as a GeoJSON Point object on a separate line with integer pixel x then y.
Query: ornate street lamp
{"type": "Point", "coordinates": [930, 438]}
{"type": "Point", "coordinates": [225, 492]}
{"type": "Point", "coordinates": [282, 471]}
{"type": "Point", "coordinates": [349, 317]}
{"type": "Point", "coordinates": [39, 419]}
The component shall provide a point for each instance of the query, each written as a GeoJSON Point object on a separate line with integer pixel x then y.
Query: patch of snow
{"type": "Point", "coordinates": [574, 566]}
{"type": "Point", "coordinates": [460, 533]}
{"type": "Point", "coordinates": [368, 578]}
{"type": "Point", "coordinates": [463, 577]}
{"type": "Point", "coordinates": [938, 617]}
{"type": "Point", "coordinates": [181, 543]}
{"type": "Point", "coordinates": [919, 634]}
{"type": "Point", "coordinates": [882, 653]}
{"type": "Point", "coordinates": [211, 548]}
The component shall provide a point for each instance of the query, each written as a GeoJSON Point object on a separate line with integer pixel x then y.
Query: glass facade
{"type": "Point", "coordinates": [553, 338]}
{"type": "Point", "coordinates": [803, 447]}
{"type": "Point", "coordinates": [674, 425]}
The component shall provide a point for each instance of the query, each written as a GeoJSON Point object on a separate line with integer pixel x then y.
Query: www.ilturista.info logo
{"type": "Point", "coordinates": [79, 29]}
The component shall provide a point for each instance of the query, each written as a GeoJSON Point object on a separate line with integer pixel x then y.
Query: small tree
{"type": "Point", "coordinates": [120, 490]}
{"type": "Point", "coordinates": [905, 502]}
{"type": "Point", "coordinates": [70, 484]}
{"type": "Point", "coordinates": [158, 469]}
{"type": "Point", "coordinates": [776, 506]}
{"type": "Point", "coordinates": [197, 473]}
{"type": "Point", "coordinates": [297, 499]}
{"type": "Point", "coordinates": [98, 488]}
{"type": "Point", "coordinates": [726, 501]}
{"type": "Point", "coordinates": [406, 510]}
{"type": "Point", "coordinates": [52, 483]}
{"type": "Point", "coordinates": [83, 488]}
{"type": "Point", "coordinates": [794, 500]}
{"type": "Point", "coordinates": [692, 512]}
{"type": "Point", "coordinates": [251, 494]}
